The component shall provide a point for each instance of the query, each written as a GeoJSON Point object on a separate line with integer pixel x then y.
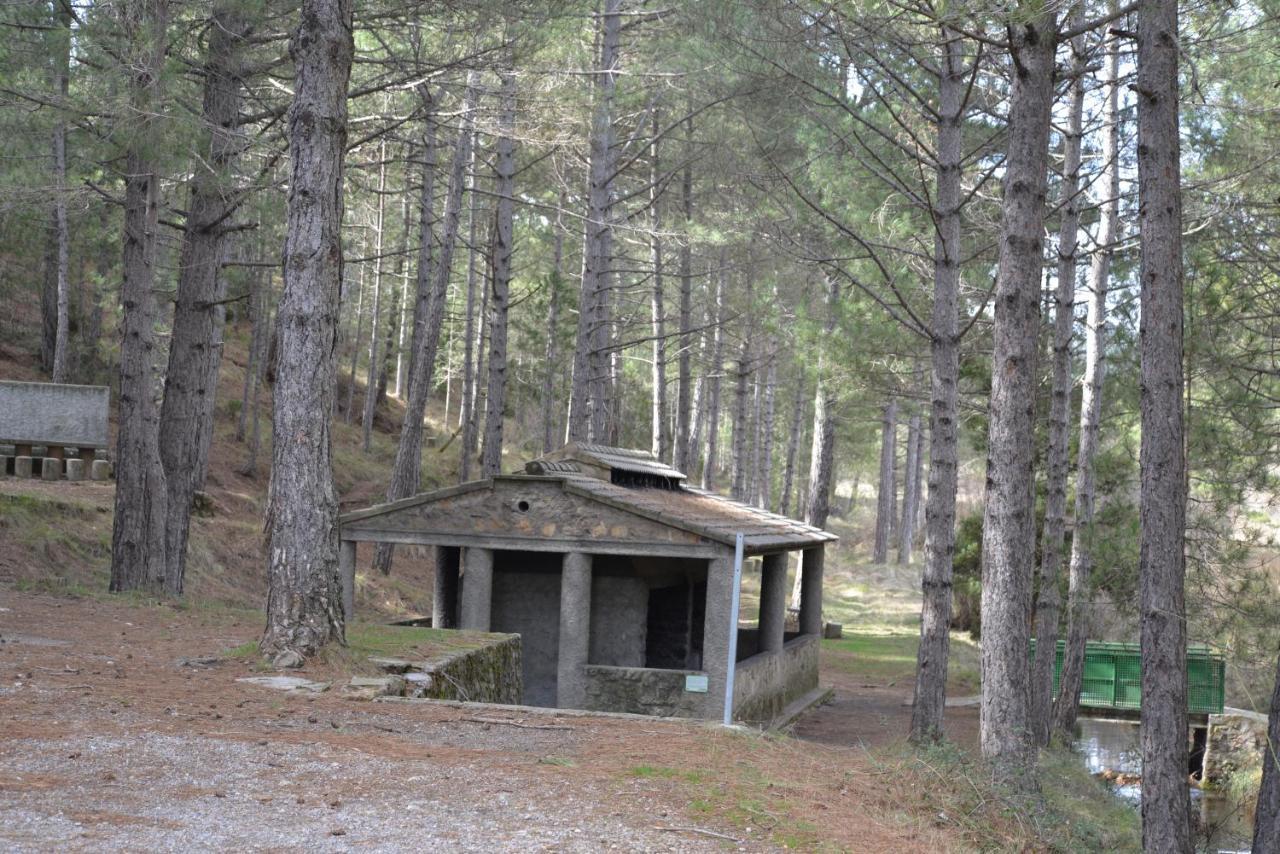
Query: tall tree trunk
{"type": "Point", "coordinates": [251, 364]}
{"type": "Point", "coordinates": [138, 533]}
{"type": "Point", "coordinates": [940, 506]}
{"type": "Point", "coordinates": [551, 434]}
{"type": "Point", "coordinates": [661, 428]}
{"type": "Point", "coordinates": [472, 349]}
{"type": "Point", "coordinates": [402, 315]}
{"type": "Point", "coordinates": [738, 488]}
{"type": "Point", "coordinates": [195, 351]}
{"type": "Point", "coordinates": [1166, 817]}
{"type": "Point", "coordinates": [61, 285]}
{"type": "Point", "coordinates": [887, 490]}
{"type": "Point", "coordinates": [425, 279]}
{"type": "Point", "coordinates": [793, 444]}
{"type": "Point", "coordinates": [714, 375]}
{"type": "Point", "coordinates": [1266, 825]}
{"type": "Point", "coordinates": [1008, 530]}
{"type": "Point", "coordinates": [503, 248]}
{"type": "Point", "coordinates": [371, 376]}
{"type": "Point", "coordinates": [304, 598]}
{"type": "Point", "coordinates": [769, 415]}
{"type": "Point", "coordinates": [1067, 706]}
{"type": "Point", "coordinates": [591, 361]}
{"type": "Point", "coordinates": [260, 336]}
{"type": "Point", "coordinates": [684, 457]}
{"type": "Point", "coordinates": [1049, 601]}
{"type": "Point", "coordinates": [406, 470]}
{"type": "Point", "coordinates": [358, 325]}
{"type": "Point", "coordinates": [910, 489]}
{"type": "Point", "coordinates": [823, 447]}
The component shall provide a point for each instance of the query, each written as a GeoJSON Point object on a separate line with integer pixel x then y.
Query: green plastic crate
{"type": "Point", "coordinates": [1113, 677]}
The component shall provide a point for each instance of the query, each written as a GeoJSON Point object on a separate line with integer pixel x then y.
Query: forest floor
{"type": "Point", "coordinates": [123, 725]}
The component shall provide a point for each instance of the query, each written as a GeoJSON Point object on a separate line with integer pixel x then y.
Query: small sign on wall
{"type": "Point", "coordinates": [695, 684]}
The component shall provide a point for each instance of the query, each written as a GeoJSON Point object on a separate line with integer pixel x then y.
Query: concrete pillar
{"type": "Point", "coordinates": [75, 469]}
{"type": "Point", "coordinates": [477, 590]}
{"type": "Point", "coordinates": [347, 573]}
{"type": "Point", "coordinates": [4, 464]}
{"type": "Point", "coordinates": [716, 629]}
{"type": "Point", "coordinates": [100, 470]}
{"type": "Point", "coordinates": [50, 468]}
{"type": "Point", "coordinates": [575, 631]}
{"type": "Point", "coordinates": [22, 466]}
{"type": "Point", "coordinates": [773, 602]}
{"type": "Point", "coordinates": [444, 604]}
{"type": "Point", "coordinates": [811, 591]}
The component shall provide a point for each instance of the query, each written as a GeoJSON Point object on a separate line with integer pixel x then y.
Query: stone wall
{"type": "Point", "coordinates": [766, 683]}
{"type": "Point", "coordinates": [644, 691]}
{"type": "Point", "coordinates": [50, 414]}
{"type": "Point", "coordinates": [1236, 741]}
{"type": "Point", "coordinates": [488, 674]}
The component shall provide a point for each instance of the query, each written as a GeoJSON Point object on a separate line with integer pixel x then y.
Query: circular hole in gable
{"type": "Point", "coordinates": [522, 506]}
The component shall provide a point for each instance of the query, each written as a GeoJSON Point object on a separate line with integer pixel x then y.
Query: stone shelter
{"type": "Point", "coordinates": [621, 580]}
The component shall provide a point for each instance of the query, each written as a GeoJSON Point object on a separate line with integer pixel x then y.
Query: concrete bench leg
{"type": "Point", "coordinates": [22, 466]}
{"type": "Point", "coordinates": [101, 470]}
{"type": "Point", "coordinates": [75, 470]}
{"type": "Point", "coordinates": [51, 468]}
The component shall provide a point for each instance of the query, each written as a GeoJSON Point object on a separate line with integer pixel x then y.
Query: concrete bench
{"type": "Point", "coordinates": [60, 422]}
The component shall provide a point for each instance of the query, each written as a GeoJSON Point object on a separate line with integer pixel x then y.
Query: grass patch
{"type": "Point", "coordinates": [1059, 808]}
{"type": "Point", "coordinates": [660, 772]}
{"type": "Point", "coordinates": [889, 658]}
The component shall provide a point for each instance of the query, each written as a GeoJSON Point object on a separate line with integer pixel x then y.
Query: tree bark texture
{"type": "Point", "coordinates": [588, 405]}
{"type": "Point", "coordinates": [503, 249]}
{"type": "Point", "coordinates": [304, 598]}
{"type": "Point", "coordinates": [1048, 608]}
{"type": "Point", "coordinates": [430, 305]}
{"type": "Point", "coordinates": [138, 533]}
{"type": "Point", "coordinates": [424, 280]}
{"type": "Point", "coordinates": [1008, 541]}
{"type": "Point", "coordinates": [887, 489]}
{"type": "Point", "coordinates": [195, 350]}
{"type": "Point", "coordinates": [944, 353]}
{"type": "Point", "coordinates": [1266, 825]}
{"type": "Point", "coordinates": [1067, 705]}
{"type": "Point", "coordinates": [1166, 815]}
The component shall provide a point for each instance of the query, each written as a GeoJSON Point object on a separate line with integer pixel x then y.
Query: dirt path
{"type": "Point", "coordinates": [109, 741]}
{"type": "Point", "coordinates": [870, 715]}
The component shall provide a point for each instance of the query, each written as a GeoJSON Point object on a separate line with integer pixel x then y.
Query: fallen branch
{"type": "Point", "coordinates": [698, 830]}
{"type": "Point", "coordinates": [501, 722]}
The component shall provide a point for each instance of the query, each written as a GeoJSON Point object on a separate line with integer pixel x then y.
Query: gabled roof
{"type": "Point", "coordinates": [706, 514]}
{"type": "Point", "coordinates": [625, 460]}
{"type": "Point", "coordinates": [630, 482]}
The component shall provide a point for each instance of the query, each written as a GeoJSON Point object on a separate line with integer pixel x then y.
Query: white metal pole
{"type": "Point", "coordinates": [733, 630]}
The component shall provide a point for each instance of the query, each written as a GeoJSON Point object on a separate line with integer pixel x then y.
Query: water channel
{"type": "Point", "coordinates": [1111, 748]}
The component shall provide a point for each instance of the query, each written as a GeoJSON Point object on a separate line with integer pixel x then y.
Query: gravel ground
{"type": "Point", "coordinates": [184, 793]}
{"type": "Point", "coordinates": [111, 740]}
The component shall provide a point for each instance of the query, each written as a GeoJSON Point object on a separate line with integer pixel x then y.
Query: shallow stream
{"type": "Point", "coordinates": [1112, 747]}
